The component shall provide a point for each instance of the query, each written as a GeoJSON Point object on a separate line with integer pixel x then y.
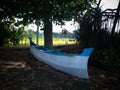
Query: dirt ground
{"type": "Point", "coordinates": [19, 70]}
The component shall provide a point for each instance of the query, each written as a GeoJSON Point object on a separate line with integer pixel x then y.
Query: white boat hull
{"type": "Point", "coordinates": [71, 64]}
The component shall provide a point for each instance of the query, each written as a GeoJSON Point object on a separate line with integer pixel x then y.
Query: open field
{"type": "Point", "coordinates": [56, 41]}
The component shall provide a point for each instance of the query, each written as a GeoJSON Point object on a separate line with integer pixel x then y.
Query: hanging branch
{"type": "Point", "coordinates": [98, 4]}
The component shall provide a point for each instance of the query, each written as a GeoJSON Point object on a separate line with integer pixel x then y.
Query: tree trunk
{"type": "Point", "coordinates": [37, 22]}
{"type": "Point", "coordinates": [37, 36]}
{"type": "Point", "coordinates": [1, 42]}
{"type": "Point", "coordinates": [48, 42]}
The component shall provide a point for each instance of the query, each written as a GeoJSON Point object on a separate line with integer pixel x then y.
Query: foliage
{"type": "Point", "coordinates": [47, 11]}
{"type": "Point", "coordinates": [16, 35]}
{"type": "Point", "coordinates": [9, 34]}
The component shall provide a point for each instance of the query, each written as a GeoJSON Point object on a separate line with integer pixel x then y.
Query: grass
{"type": "Point", "coordinates": [56, 41]}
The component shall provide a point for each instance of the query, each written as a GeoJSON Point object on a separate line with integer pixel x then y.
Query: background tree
{"type": "Point", "coordinates": [31, 33]}
{"type": "Point", "coordinates": [64, 31]}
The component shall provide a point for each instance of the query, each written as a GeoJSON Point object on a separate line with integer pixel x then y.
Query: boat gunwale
{"type": "Point", "coordinates": [59, 53]}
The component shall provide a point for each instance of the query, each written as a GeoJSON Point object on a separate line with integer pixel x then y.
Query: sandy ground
{"type": "Point", "coordinates": [19, 70]}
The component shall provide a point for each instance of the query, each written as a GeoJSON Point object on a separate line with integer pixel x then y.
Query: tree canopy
{"type": "Point", "coordinates": [30, 10]}
{"type": "Point", "coordinates": [47, 11]}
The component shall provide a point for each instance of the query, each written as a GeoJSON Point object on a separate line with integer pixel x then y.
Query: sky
{"type": "Point", "coordinates": [71, 26]}
{"type": "Point", "coordinates": [109, 4]}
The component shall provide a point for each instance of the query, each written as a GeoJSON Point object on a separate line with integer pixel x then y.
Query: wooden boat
{"type": "Point", "coordinates": [73, 64]}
